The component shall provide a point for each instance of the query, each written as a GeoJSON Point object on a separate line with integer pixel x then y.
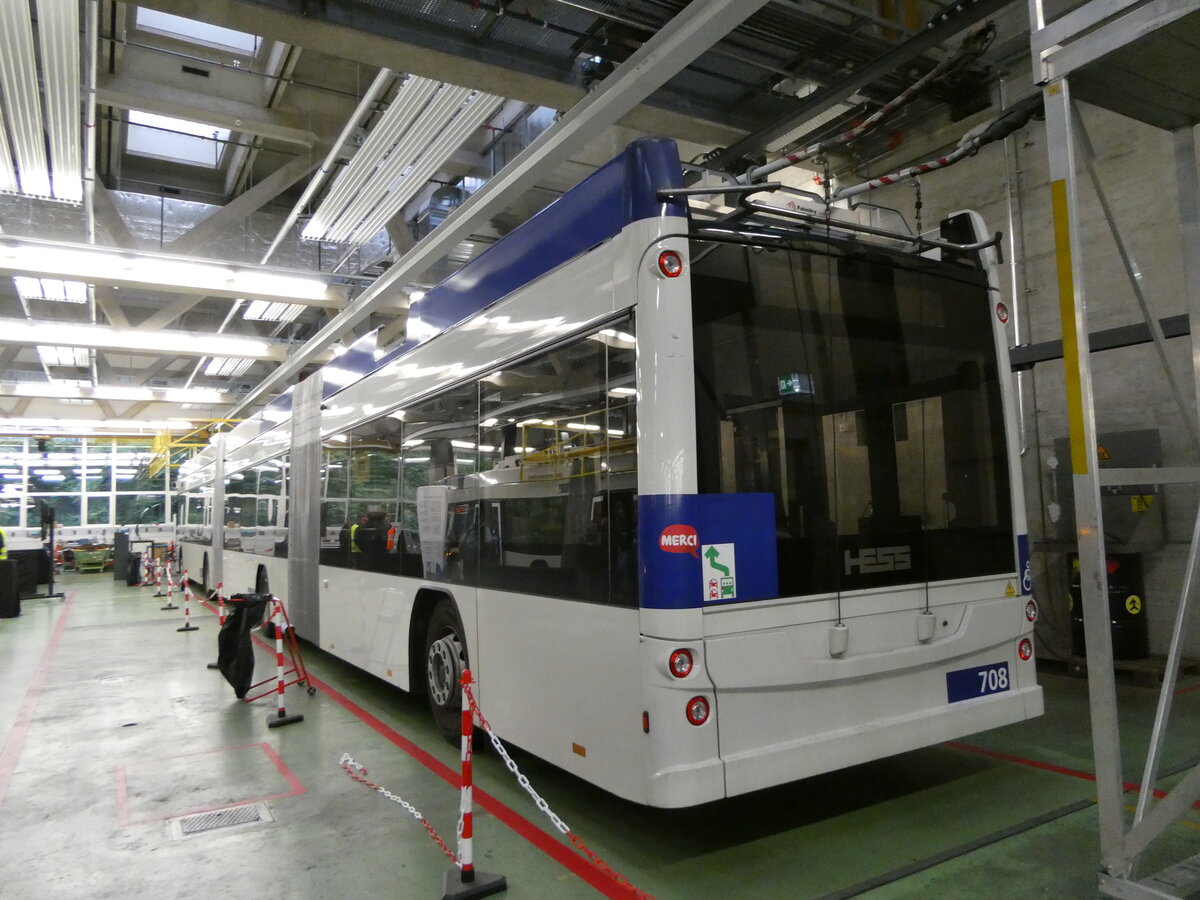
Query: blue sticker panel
{"type": "Point", "coordinates": [674, 532]}
{"type": "Point", "coordinates": [1025, 561]}
{"type": "Point", "coordinates": [967, 684]}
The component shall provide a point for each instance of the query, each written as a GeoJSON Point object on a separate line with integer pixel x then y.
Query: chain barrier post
{"type": "Point", "coordinates": [544, 807]}
{"type": "Point", "coordinates": [463, 881]}
{"type": "Point", "coordinates": [220, 617]}
{"type": "Point", "coordinates": [187, 604]}
{"type": "Point", "coordinates": [170, 590]}
{"type": "Point", "coordinates": [158, 574]}
{"type": "Point", "coordinates": [281, 718]}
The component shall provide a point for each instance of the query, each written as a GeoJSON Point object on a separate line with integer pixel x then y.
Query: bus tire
{"type": "Point", "coordinates": [445, 661]}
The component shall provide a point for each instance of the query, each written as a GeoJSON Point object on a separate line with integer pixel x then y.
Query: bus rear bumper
{"type": "Point", "coordinates": [780, 763]}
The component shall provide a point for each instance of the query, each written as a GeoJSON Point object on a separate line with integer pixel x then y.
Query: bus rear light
{"type": "Point", "coordinates": [670, 264]}
{"type": "Point", "coordinates": [681, 663]}
{"type": "Point", "coordinates": [1031, 611]}
{"type": "Point", "coordinates": [645, 721]}
{"type": "Point", "coordinates": [697, 710]}
{"type": "Point", "coordinates": [1025, 649]}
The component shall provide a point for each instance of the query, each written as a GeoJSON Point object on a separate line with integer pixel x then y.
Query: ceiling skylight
{"type": "Point", "coordinates": [51, 289]}
{"type": "Point", "coordinates": [266, 311]}
{"type": "Point", "coordinates": [176, 140]}
{"type": "Point", "coordinates": [194, 32]}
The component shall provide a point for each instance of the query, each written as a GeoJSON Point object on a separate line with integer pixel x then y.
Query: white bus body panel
{"type": "Point", "coordinates": [364, 619]}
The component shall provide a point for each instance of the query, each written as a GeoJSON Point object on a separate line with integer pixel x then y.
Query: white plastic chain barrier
{"type": "Point", "coordinates": [544, 806]}
{"type": "Point", "coordinates": [348, 763]}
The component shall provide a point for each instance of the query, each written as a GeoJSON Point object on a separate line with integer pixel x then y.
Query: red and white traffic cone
{"type": "Point", "coordinates": [170, 591]}
{"type": "Point", "coordinates": [187, 605]}
{"type": "Point", "coordinates": [463, 882]}
{"type": "Point", "coordinates": [281, 717]}
{"type": "Point", "coordinates": [220, 617]}
{"type": "Point", "coordinates": [158, 578]}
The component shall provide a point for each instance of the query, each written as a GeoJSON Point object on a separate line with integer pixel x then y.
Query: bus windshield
{"type": "Point", "coordinates": [862, 390]}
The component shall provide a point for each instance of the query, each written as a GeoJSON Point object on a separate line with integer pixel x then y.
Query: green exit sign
{"type": "Point", "coordinates": [794, 383]}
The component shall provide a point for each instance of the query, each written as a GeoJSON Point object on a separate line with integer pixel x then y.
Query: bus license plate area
{"type": "Point", "coordinates": [967, 684]}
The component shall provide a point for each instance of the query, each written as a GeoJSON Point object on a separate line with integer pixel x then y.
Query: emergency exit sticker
{"type": "Point", "coordinates": [719, 569]}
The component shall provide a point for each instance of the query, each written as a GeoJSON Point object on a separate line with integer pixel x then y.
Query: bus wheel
{"type": "Point", "coordinates": [445, 661]}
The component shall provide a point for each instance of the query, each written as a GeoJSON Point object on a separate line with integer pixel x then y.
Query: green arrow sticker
{"type": "Point", "coordinates": [712, 553]}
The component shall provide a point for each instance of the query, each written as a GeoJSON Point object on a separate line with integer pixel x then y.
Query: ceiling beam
{"type": "Point", "coordinates": [696, 28]}
{"type": "Point", "coordinates": [172, 311]}
{"type": "Point", "coordinates": [237, 210]}
{"type": "Point", "coordinates": [127, 92]}
{"type": "Point", "coordinates": [110, 219]}
{"type": "Point", "coordinates": [387, 40]}
{"type": "Point", "coordinates": [110, 305]}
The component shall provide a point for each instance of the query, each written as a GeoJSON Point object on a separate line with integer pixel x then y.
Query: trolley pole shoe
{"type": "Point", "coordinates": [281, 718]}
{"type": "Point", "coordinates": [187, 605]}
{"type": "Point", "coordinates": [463, 881]}
{"type": "Point", "coordinates": [220, 617]}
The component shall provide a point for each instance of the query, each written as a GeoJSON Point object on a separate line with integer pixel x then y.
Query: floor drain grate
{"type": "Point", "coordinates": [231, 817]}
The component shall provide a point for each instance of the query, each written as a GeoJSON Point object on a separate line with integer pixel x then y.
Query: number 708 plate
{"type": "Point", "coordinates": [967, 684]}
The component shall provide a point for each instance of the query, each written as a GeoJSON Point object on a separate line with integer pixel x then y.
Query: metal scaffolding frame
{"type": "Point", "coordinates": [1081, 54]}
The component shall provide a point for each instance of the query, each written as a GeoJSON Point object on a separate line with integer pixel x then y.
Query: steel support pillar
{"type": "Point", "coordinates": [216, 555]}
{"type": "Point", "coordinates": [1081, 414]}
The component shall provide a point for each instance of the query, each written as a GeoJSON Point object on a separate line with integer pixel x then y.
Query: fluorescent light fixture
{"type": "Point", "coordinates": [63, 356]}
{"type": "Point", "coordinates": [224, 367]}
{"type": "Point", "coordinates": [623, 391]}
{"type": "Point", "coordinates": [51, 289]}
{"type": "Point", "coordinates": [83, 262]}
{"type": "Point", "coordinates": [426, 123]}
{"type": "Point", "coordinates": [266, 311]}
{"type": "Point", "coordinates": [185, 343]}
{"type": "Point", "coordinates": [582, 426]}
{"type": "Point", "coordinates": [73, 390]}
{"type": "Point", "coordinates": [84, 427]}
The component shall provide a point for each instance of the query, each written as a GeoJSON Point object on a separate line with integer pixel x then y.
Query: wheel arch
{"type": "Point", "coordinates": [423, 606]}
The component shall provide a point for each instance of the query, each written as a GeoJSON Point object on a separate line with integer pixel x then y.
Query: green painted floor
{"type": "Point", "coordinates": [111, 725]}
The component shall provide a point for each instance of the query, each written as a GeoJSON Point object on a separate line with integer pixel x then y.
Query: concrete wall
{"type": "Point", "coordinates": [1136, 167]}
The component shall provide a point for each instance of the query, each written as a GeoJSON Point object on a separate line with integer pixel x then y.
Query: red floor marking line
{"type": "Point", "coordinates": [20, 730]}
{"type": "Point", "coordinates": [1048, 767]}
{"type": "Point", "coordinates": [514, 820]}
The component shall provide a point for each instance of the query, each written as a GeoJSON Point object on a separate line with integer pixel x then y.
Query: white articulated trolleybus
{"type": "Point", "coordinates": [710, 497]}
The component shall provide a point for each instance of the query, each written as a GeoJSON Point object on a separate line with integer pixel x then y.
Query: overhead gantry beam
{"type": "Point", "coordinates": [690, 33]}
{"type": "Point", "coordinates": [384, 41]}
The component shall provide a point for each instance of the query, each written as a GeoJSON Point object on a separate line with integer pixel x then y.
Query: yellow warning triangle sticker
{"type": "Point", "coordinates": [1010, 591]}
{"type": "Point", "coordinates": [1102, 453]}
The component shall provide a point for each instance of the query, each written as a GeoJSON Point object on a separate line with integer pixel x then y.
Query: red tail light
{"type": "Point", "coordinates": [1025, 649]}
{"type": "Point", "coordinates": [681, 663]}
{"type": "Point", "coordinates": [697, 710]}
{"type": "Point", "coordinates": [670, 264]}
{"type": "Point", "coordinates": [1031, 611]}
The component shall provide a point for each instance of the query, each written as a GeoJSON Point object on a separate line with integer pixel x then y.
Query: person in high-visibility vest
{"type": "Point", "coordinates": [355, 549]}
{"type": "Point", "coordinates": [3, 544]}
